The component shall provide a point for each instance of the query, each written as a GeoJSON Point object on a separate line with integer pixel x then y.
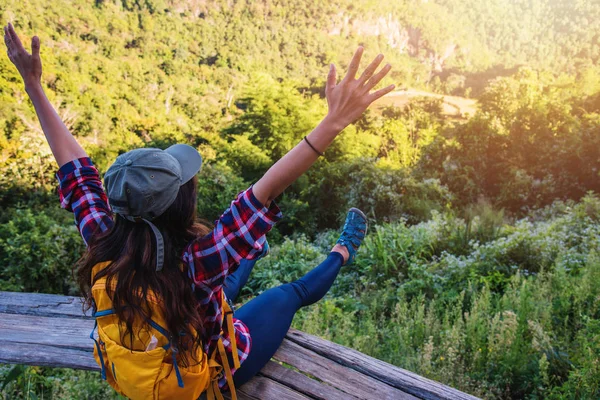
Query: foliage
{"type": "Point", "coordinates": [384, 193]}
{"type": "Point", "coordinates": [217, 187]}
{"type": "Point", "coordinates": [498, 309]}
{"type": "Point", "coordinates": [481, 268]}
{"type": "Point", "coordinates": [534, 141]}
{"type": "Point", "coordinates": [510, 315]}
{"type": "Point", "coordinates": [37, 252]}
{"type": "Point", "coordinates": [19, 382]}
{"type": "Point", "coordinates": [275, 118]}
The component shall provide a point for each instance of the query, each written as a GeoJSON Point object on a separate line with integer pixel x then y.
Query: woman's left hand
{"type": "Point", "coordinates": [28, 65]}
{"type": "Point", "coordinates": [348, 99]}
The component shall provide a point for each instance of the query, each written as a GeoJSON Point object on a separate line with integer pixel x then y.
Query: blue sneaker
{"type": "Point", "coordinates": [353, 234]}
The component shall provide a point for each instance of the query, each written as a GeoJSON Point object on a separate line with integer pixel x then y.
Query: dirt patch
{"type": "Point", "coordinates": [456, 107]}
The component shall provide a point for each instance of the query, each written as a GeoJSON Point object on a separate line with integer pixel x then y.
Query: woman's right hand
{"type": "Point", "coordinates": [28, 65]}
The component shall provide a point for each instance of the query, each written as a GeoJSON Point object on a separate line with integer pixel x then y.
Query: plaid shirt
{"type": "Point", "coordinates": [238, 234]}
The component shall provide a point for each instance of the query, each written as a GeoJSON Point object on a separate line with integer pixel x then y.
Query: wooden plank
{"type": "Point", "coordinates": [46, 356]}
{"type": "Point", "coordinates": [52, 331]}
{"type": "Point", "coordinates": [262, 388]}
{"type": "Point", "coordinates": [302, 383]}
{"type": "Point", "coordinates": [407, 381]}
{"type": "Point", "coordinates": [227, 396]}
{"type": "Point", "coordinates": [41, 304]}
{"type": "Point", "coordinates": [345, 379]}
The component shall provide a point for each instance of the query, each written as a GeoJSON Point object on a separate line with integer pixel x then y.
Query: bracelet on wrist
{"type": "Point", "coordinates": [313, 147]}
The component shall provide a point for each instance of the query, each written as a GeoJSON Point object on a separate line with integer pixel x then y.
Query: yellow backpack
{"type": "Point", "coordinates": [137, 372]}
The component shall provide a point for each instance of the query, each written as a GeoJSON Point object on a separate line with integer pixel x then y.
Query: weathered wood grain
{"type": "Point", "coordinates": [46, 356]}
{"type": "Point", "coordinates": [240, 396]}
{"type": "Point", "coordinates": [345, 379]}
{"type": "Point", "coordinates": [264, 388]}
{"type": "Point", "coordinates": [407, 381]}
{"type": "Point", "coordinates": [303, 384]}
{"type": "Point", "coordinates": [63, 357]}
{"type": "Point", "coordinates": [42, 304]}
{"type": "Point", "coordinates": [51, 330]}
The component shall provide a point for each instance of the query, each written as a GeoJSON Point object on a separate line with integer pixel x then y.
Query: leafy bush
{"type": "Point", "coordinates": [534, 141]}
{"type": "Point", "coordinates": [383, 193]}
{"type": "Point", "coordinates": [217, 187]}
{"type": "Point", "coordinates": [511, 345]}
{"type": "Point", "coordinates": [37, 252]}
{"type": "Point", "coordinates": [515, 316]}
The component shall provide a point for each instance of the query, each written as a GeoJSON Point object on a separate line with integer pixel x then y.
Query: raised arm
{"type": "Point", "coordinates": [80, 188]}
{"type": "Point", "coordinates": [63, 145]}
{"type": "Point", "coordinates": [347, 101]}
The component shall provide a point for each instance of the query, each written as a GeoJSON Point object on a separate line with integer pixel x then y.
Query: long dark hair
{"type": "Point", "coordinates": [131, 249]}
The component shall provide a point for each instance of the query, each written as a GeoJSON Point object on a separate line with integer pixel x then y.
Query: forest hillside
{"type": "Point", "coordinates": [482, 268]}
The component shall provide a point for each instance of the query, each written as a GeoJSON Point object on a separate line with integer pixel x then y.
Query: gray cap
{"type": "Point", "coordinates": [142, 183]}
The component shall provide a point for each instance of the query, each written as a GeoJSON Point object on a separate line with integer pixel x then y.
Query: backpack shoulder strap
{"type": "Point", "coordinates": [217, 369]}
{"type": "Point", "coordinates": [96, 315]}
{"type": "Point", "coordinates": [228, 316]}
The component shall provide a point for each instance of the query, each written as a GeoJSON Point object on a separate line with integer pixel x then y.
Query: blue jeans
{"type": "Point", "coordinates": [269, 316]}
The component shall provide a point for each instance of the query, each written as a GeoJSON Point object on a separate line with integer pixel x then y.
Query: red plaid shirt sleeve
{"type": "Point", "coordinates": [81, 192]}
{"type": "Point", "coordinates": [238, 234]}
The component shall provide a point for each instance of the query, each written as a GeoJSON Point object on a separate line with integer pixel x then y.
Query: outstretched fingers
{"type": "Point", "coordinates": [10, 51]}
{"type": "Point", "coordinates": [14, 38]}
{"type": "Point", "coordinates": [35, 47]}
{"type": "Point", "coordinates": [375, 79]}
{"type": "Point", "coordinates": [7, 40]}
{"type": "Point", "coordinates": [331, 78]}
{"type": "Point", "coordinates": [370, 70]}
{"type": "Point", "coordinates": [354, 64]}
{"type": "Point", "coordinates": [380, 93]}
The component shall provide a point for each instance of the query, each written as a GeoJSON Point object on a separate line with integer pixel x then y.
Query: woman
{"type": "Point", "coordinates": [155, 277]}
